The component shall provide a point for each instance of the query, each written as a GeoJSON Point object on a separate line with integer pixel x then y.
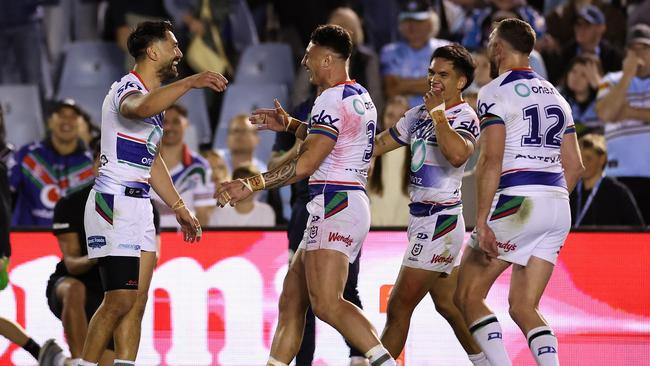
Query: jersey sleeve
{"type": "Point", "coordinates": [125, 88]}
{"type": "Point", "coordinates": [607, 83]}
{"type": "Point", "coordinates": [491, 106]}
{"type": "Point", "coordinates": [65, 218]}
{"type": "Point", "coordinates": [570, 124]}
{"type": "Point", "coordinates": [467, 126]}
{"type": "Point", "coordinates": [401, 132]}
{"type": "Point", "coordinates": [327, 116]}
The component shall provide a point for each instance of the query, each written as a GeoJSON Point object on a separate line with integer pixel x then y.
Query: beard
{"type": "Point", "coordinates": [168, 71]}
{"type": "Point", "coordinates": [494, 69]}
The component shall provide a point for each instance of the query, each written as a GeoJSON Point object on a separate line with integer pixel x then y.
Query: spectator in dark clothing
{"type": "Point", "coordinates": [286, 147]}
{"type": "Point", "coordinates": [560, 22]}
{"type": "Point", "coordinates": [580, 88]}
{"type": "Point", "coordinates": [589, 30]}
{"type": "Point", "coordinates": [599, 200]}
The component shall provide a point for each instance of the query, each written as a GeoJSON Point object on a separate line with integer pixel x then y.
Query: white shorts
{"type": "Point", "coordinates": [338, 221]}
{"type": "Point", "coordinates": [435, 241]}
{"type": "Point", "coordinates": [118, 225]}
{"type": "Point", "coordinates": [528, 226]}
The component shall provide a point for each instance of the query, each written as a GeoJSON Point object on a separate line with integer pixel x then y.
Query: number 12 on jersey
{"type": "Point", "coordinates": [554, 126]}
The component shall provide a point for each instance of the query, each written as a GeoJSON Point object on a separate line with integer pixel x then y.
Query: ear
{"type": "Point", "coordinates": [327, 61]}
{"type": "Point", "coordinates": [152, 52]}
{"type": "Point", "coordinates": [462, 82]}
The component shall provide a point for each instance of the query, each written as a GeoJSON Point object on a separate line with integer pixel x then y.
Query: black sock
{"type": "Point", "coordinates": [32, 347]}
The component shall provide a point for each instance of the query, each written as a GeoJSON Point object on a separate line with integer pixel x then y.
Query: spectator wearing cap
{"type": "Point", "coordinates": [561, 20]}
{"type": "Point", "coordinates": [589, 29]}
{"type": "Point", "coordinates": [598, 199]}
{"type": "Point", "coordinates": [42, 172]}
{"type": "Point", "coordinates": [624, 105]}
{"type": "Point", "coordinates": [404, 64]}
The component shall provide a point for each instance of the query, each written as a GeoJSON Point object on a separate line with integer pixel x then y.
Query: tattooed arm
{"type": "Point", "coordinates": [312, 153]}
{"type": "Point", "coordinates": [384, 143]}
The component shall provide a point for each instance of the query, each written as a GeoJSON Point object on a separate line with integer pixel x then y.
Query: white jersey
{"type": "Point", "coordinates": [433, 178]}
{"type": "Point", "coordinates": [536, 117]}
{"type": "Point", "coordinates": [128, 146]}
{"type": "Point", "coordinates": [346, 114]}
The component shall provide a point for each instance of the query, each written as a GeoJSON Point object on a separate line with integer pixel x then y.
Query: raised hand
{"type": "Point", "coordinates": [433, 98]}
{"type": "Point", "coordinates": [232, 192]}
{"type": "Point", "coordinates": [208, 79]}
{"type": "Point", "coordinates": [276, 119]}
{"type": "Point", "coordinates": [631, 63]}
{"type": "Point", "coordinates": [189, 225]}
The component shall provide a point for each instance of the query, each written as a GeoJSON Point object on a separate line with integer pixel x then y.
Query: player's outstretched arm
{"type": "Point", "coordinates": [571, 160]}
{"type": "Point", "coordinates": [312, 153]}
{"type": "Point", "coordinates": [139, 106]}
{"type": "Point", "coordinates": [488, 173]}
{"type": "Point", "coordinates": [455, 148]}
{"type": "Point", "coordinates": [278, 120]}
{"type": "Point", "coordinates": [384, 143]}
{"type": "Point", "coordinates": [162, 183]}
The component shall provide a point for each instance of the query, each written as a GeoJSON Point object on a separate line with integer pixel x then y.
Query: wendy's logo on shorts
{"type": "Point", "coordinates": [96, 242]}
{"type": "Point", "coordinates": [441, 259]}
{"type": "Point", "coordinates": [313, 232]}
{"type": "Point", "coordinates": [417, 249]}
{"type": "Point", "coordinates": [338, 237]}
{"type": "Point", "coordinates": [507, 246]}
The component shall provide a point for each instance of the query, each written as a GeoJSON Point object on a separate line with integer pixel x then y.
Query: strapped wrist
{"type": "Point", "coordinates": [292, 124]}
{"type": "Point", "coordinates": [178, 205]}
{"type": "Point", "coordinates": [437, 113]}
{"type": "Point", "coordinates": [255, 183]}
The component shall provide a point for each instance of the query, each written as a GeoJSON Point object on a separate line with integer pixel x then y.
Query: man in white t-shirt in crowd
{"type": "Point", "coordinates": [248, 212]}
{"type": "Point", "coordinates": [190, 172]}
{"type": "Point", "coordinates": [242, 141]}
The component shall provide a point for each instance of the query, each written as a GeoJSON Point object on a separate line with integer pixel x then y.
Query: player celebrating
{"type": "Point", "coordinates": [118, 216]}
{"type": "Point", "coordinates": [442, 134]}
{"type": "Point", "coordinates": [338, 144]}
{"type": "Point", "coordinates": [530, 159]}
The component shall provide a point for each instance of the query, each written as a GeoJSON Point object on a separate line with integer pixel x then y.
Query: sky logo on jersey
{"type": "Point", "coordinates": [323, 118]}
{"type": "Point", "coordinates": [126, 86]}
{"type": "Point", "coordinates": [133, 151]}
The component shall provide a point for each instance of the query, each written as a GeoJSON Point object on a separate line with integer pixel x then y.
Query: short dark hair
{"type": "Point", "coordinates": [519, 34]}
{"type": "Point", "coordinates": [146, 33]}
{"type": "Point", "coordinates": [178, 108]}
{"type": "Point", "coordinates": [460, 58]}
{"type": "Point", "coordinates": [333, 37]}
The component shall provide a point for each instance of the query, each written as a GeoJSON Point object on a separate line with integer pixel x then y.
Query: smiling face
{"type": "Point", "coordinates": [443, 77]}
{"type": "Point", "coordinates": [64, 125]}
{"type": "Point", "coordinates": [169, 56]}
{"type": "Point", "coordinates": [312, 61]}
{"type": "Point", "coordinates": [174, 128]}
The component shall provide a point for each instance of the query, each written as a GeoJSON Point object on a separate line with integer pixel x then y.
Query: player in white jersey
{"type": "Point", "coordinates": [528, 164]}
{"type": "Point", "coordinates": [442, 134]}
{"type": "Point", "coordinates": [118, 216]}
{"type": "Point", "coordinates": [338, 144]}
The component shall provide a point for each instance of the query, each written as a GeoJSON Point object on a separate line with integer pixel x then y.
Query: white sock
{"type": "Point", "coordinates": [487, 333]}
{"type": "Point", "coordinates": [543, 345]}
{"type": "Point", "coordinates": [117, 362]}
{"type": "Point", "coordinates": [85, 363]}
{"type": "Point", "coordinates": [379, 356]}
{"type": "Point", "coordinates": [275, 362]}
{"type": "Point", "coordinates": [74, 361]}
{"type": "Point", "coordinates": [479, 359]}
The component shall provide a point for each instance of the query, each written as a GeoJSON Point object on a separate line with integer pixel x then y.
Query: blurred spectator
{"type": "Point", "coordinates": [380, 32]}
{"type": "Point", "coordinates": [23, 45]}
{"type": "Point", "coordinates": [404, 64]}
{"type": "Point", "coordinates": [189, 171]}
{"type": "Point", "coordinates": [599, 199]}
{"type": "Point", "coordinates": [560, 23]}
{"type": "Point", "coordinates": [389, 178]}
{"type": "Point", "coordinates": [638, 12]}
{"type": "Point", "coordinates": [580, 89]}
{"type": "Point", "coordinates": [217, 166]}
{"type": "Point", "coordinates": [589, 29]}
{"type": "Point", "coordinates": [481, 76]}
{"type": "Point", "coordinates": [364, 63]}
{"type": "Point", "coordinates": [6, 150]}
{"type": "Point", "coordinates": [87, 130]}
{"type": "Point", "coordinates": [242, 141]}
{"type": "Point", "coordinates": [68, 21]}
{"type": "Point", "coordinates": [480, 20]}
{"type": "Point", "coordinates": [624, 104]}
{"type": "Point", "coordinates": [248, 212]}
{"type": "Point", "coordinates": [122, 16]}
{"type": "Point", "coordinates": [43, 172]}
{"type": "Point", "coordinates": [452, 19]}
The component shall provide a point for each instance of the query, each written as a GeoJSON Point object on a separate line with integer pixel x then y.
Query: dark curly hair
{"type": "Point", "coordinates": [460, 58]}
{"type": "Point", "coordinates": [146, 33]}
{"type": "Point", "coordinates": [333, 37]}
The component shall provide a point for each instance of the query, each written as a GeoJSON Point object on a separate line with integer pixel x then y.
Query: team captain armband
{"type": "Point", "coordinates": [490, 120]}
{"type": "Point", "coordinates": [325, 130]}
